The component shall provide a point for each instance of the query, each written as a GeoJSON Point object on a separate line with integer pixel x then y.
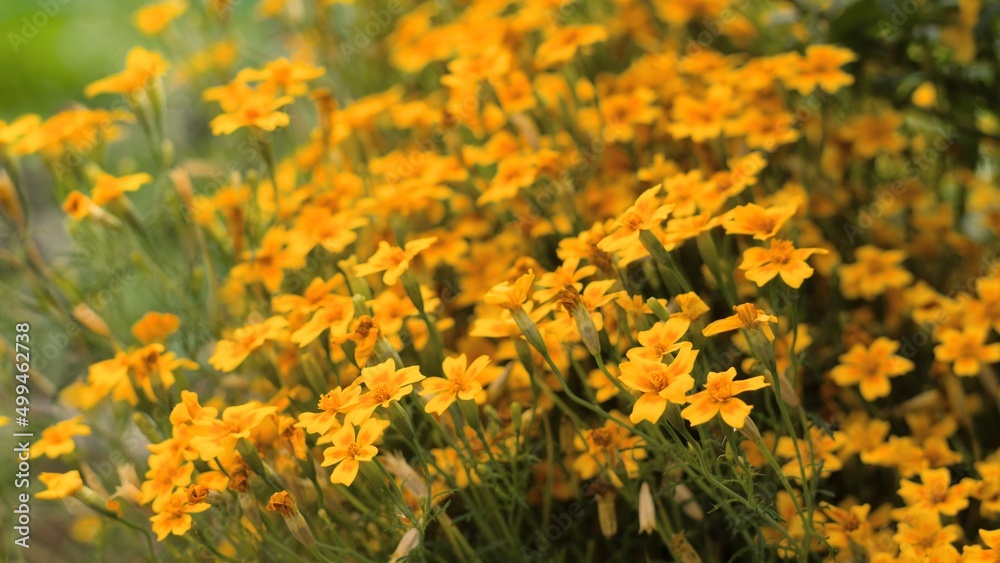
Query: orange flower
{"type": "Point", "coordinates": [646, 214]}
{"type": "Point", "coordinates": [155, 327]}
{"type": "Point", "coordinates": [819, 68]}
{"type": "Point", "coordinates": [752, 219]}
{"type": "Point", "coordinates": [335, 314]}
{"type": "Point", "coordinates": [563, 44]}
{"type": "Point", "coordinates": [659, 383]}
{"type": "Point", "coordinates": [508, 296]}
{"type": "Point", "coordinates": [57, 439]}
{"type": "Point", "coordinates": [871, 367]}
{"type": "Point", "coordinates": [782, 258]}
{"type": "Point", "coordinates": [154, 18]}
{"type": "Point", "coordinates": [459, 382]}
{"type": "Point", "coordinates": [385, 384]}
{"type": "Point", "coordinates": [747, 317]}
{"type": "Point", "coordinates": [967, 349]}
{"type": "Point", "coordinates": [78, 205]}
{"type": "Point", "coordinates": [229, 354]}
{"type": "Point", "coordinates": [288, 77]}
{"type": "Point", "coordinates": [352, 444]}
{"type": "Point", "coordinates": [174, 516]}
{"type": "Point", "coordinates": [141, 68]}
{"type": "Point", "coordinates": [703, 118]}
{"type": "Point", "coordinates": [717, 398]}
{"type": "Point", "coordinates": [109, 188]}
{"type": "Point", "coordinates": [935, 493]}
{"type": "Point", "coordinates": [392, 260]}
{"type": "Point", "coordinates": [610, 448]}
{"type": "Point", "coordinates": [662, 338]}
{"type": "Point", "coordinates": [60, 485]}
{"type": "Point", "coordinates": [337, 401]}
{"type": "Point", "coordinates": [212, 437]}
{"type": "Point", "coordinates": [874, 272]}
{"type": "Point", "coordinates": [976, 554]}
{"type": "Point", "coordinates": [569, 273]}
{"type": "Point", "coordinates": [257, 110]}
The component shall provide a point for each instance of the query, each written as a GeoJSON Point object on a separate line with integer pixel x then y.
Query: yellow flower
{"type": "Point", "coordinates": [459, 382]}
{"type": "Point", "coordinates": [288, 77]}
{"type": "Point", "coordinates": [385, 384]}
{"type": "Point", "coordinates": [154, 18]}
{"type": "Point", "coordinates": [155, 327]}
{"type": "Point", "coordinates": [761, 222]}
{"type": "Point", "coordinates": [976, 554]}
{"type": "Point", "coordinates": [257, 110]}
{"type": "Point", "coordinates": [563, 44]}
{"type": "Point", "coordinates": [662, 338]}
{"type": "Point", "coordinates": [874, 272]}
{"type": "Point", "coordinates": [692, 307]}
{"type": "Point", "coordinates": [747, 317]}
{"type": "Point", "coordinates": [511, 296]}
{"type": "Point", "coordinates": [352, 445]}
{"type": "Point", "coordinates": [782, 258]}
{"type": "Point", "coordinates": [174, 516]}
{"type": "Point", "coordinates": [392, 260]}
{"type": "Point", "coordinates": [610, 448]}
{"type": "Point", "coordinates": [935, 493]}
{"type": "Point", "coordinates": [337, 401]}
{"type": "Point", "coordinates": [659, 383]}
{"type": "Point", "coordinates": [109, 188]}
{"type": "Point", "coordinates": [871, 367]}
{"type": "Point", "coordinates": [57, 440]}
{"type": "Point", "coordinates": [229, 354]}
{"type": "Point", "coordinates": [212, 437]}
{"type": "Point", "coordinates": [966, 350]}
{"type": "Point", "coordinates": [819, 68]}
{"type": "Point", "coordinates": [717, 398]}
{"type": "Point", "coordinates": [335, 314]}
{"type": "Point", "coordinates": [646, 214]}
{"type": "Point", "coordinates": [78, 206]}
{"type": "Point", "coordinates": [925, 96]}
{"type": "Point", "coordinates": [141, 68]}
{"type": "Point", "coordinates": [60, 485]}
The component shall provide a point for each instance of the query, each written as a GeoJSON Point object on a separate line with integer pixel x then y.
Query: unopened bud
{"type": "Point", "coordinates": [647, 510]}
{"type": "Point", "coordinates": [90, 319]}
{"type": "Point", "coordinates": [606, 513]}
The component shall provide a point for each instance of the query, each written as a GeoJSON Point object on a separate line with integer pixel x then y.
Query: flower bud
{"type": "Point", "coordinates": [647, 510]}
{"type": "Point", "coordinates": [606, 513]}
{"type": "Point", "coordinates": [406, 544]}
{"type": "Point", "coordinates": [282, 503]}
{"type": "Point", "coordinates": [90, 319]}
{"type": "Point", "coordinates": [529, 329]}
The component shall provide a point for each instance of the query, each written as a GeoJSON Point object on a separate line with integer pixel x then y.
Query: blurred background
{"type": "Point", "coordinates": [46, 60]}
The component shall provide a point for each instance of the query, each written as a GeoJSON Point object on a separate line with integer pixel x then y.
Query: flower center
{"type": "Point", "coordinates": [658, 379]}
{"type": "Point", "coordinates": [381, 394]}
{"type": "Point", "coordinates": [328, 403]}
{"type": "Point", "coordinates": [720, 390]}
{"type": "Point", "coordinates": [353, 450]}
{"type": "Point", "coordinates": [781, 251]}
{"type": "Point", "coordinates": [603, 438]}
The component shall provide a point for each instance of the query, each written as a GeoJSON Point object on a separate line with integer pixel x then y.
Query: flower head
{"type": "Point", "coordinates": [718, 398]}
{"type": "Point", "coordinates": [747, 317]}
{"type": "Point", "coordinates": [393, 260]}
{"type": "Point", "coordinates": [352, 445]}
{"type": "Point", "coordinates": [659, 383]}
{"type": "Point", "coordinates": [782, 258]}
{"type": "Point", "coordinates": [461, 381]}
